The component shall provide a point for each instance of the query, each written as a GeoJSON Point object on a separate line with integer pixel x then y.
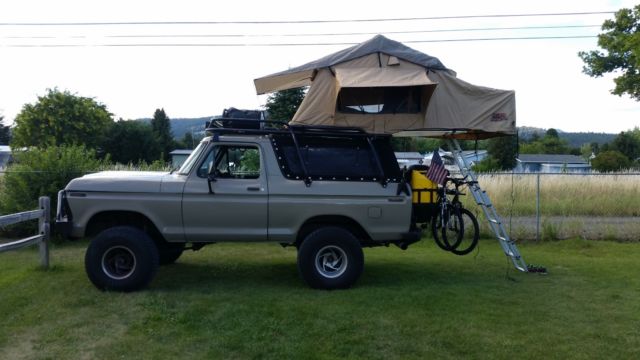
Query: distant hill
{"type": "Point", "coordinates": [579, 138]}
{"type": "Point", "coordinates": [575, 139]}
{"type": "Point", "coordinates": [181, 126]}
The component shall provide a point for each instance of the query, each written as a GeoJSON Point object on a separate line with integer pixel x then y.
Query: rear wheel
{"type": "Point", "coordinates": [330, 258]}
{"type": "Point", "coordinates": [121, 258]}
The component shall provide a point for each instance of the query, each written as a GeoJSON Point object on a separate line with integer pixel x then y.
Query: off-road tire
{"type": "Point", "coordinates": [330, 258]}
{"type": "Point", "coordinates": [121, 258]}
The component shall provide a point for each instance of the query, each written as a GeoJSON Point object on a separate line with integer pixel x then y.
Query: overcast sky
{"type": "Point", "coordinates": [194, 81]}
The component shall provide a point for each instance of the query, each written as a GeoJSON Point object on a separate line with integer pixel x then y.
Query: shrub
{"type": "Point", "coordinates": [131, 142]}
{"type": "Point", "coordinates": [611, 160]}
{"type": "Point", "coordinates": [42, 172]}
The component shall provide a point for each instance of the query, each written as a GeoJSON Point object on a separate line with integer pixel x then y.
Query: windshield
{"type": "Point", "coordinates": [188, 164]}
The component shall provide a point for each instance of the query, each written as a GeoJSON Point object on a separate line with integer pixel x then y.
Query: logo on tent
{"type": "Point", "coordinates": [499, 117]}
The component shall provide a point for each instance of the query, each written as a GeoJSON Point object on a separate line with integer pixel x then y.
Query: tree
{"type": "Point", "coordinates": [282, 105]}
{"type": "Point", "coordinates": [620, 41]}
{"type": "Point", "coordinates": [586, 150]}
{"type": "Point", "coordinates": [5, 132]}
{"type": "Point", "coordinates": [188, 141]}
{"type": "Point", "coordinates": [424, 145]}
{"type": "Point", "coordinates": [611, 160]}
{"type": "Point", "coordinates": [552, 133]}
{"type": "Point", "coordinates": [501, 155]}
{"type": "Point", "coordinates": [61, 118]}
{"type": "Point", "coordinates": [550, 143]}
{"type": "Point", "coordinates": [162, 131]}
{"type": "Point", "coordinates": [628, 144]}
{"type": "Point", "coordinates": [402, 144]}
{"type": "Point", "coordinates": [131, 142]}
{"type": "Point", "coordinates": [503, 150]}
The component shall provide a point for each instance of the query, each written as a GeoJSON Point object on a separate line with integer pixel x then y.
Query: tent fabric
{"type": "Point", "coordinates": [448, 106]}
{"type": "Point", "coordinates": [319, 105]}
{"type": "Point", "coordinates": [373, 77]}
{"type": "Point", "coordinates": [302, 75]}
{"type": "Point", "coordinates": [457, 104]}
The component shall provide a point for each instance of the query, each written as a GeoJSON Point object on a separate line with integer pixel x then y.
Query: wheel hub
{"type": "Point", "coordinates": [331, 261]}
{"type": "Point", "coordinates": [118, 262]}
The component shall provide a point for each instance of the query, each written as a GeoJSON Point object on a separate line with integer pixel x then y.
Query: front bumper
{"type": "Point", "coordinates": [64, 224]}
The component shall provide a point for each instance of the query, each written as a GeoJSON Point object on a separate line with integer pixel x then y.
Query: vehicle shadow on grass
{"type": "Point", "coordinates": [203, 277]}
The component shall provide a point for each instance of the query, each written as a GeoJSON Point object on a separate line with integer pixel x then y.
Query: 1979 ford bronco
{"type": "Point", "coordinates": [327, 191]}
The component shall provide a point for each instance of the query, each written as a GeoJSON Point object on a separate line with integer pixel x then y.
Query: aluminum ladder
{"type": "Point", "coordinates": [482, 199]}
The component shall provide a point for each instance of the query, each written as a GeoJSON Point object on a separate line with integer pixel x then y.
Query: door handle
{"type": "Point", "coordinates": [253, 188]}
{"type": "Point", "coordinates": [395, 199]}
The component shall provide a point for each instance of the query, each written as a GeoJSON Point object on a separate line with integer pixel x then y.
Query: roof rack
{"type": "Point", "coordinates": [265, 127]}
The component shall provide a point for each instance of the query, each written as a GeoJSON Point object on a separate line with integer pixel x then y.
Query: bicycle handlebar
{"type": "Point", "coordinates": [461, 181]}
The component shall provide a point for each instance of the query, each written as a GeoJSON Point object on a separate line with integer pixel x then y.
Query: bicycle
{"type": "Point", "coordinates": [454, 228]}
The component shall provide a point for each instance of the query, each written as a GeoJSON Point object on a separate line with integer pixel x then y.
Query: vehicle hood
{"type": "Point", "coordinates": [119, 181]}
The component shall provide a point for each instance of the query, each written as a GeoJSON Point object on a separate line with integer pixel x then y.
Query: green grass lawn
{"type": "Point", "coordinates": [244, 301]}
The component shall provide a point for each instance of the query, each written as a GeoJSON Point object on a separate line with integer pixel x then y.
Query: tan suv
{"type": "Point", "coordinates": [326, 191]}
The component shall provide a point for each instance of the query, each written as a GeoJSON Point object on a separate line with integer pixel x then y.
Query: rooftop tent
{"type": "Point", "coordinates": [384, 86]}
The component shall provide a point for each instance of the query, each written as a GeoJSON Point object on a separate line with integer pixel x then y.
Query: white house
{"type": "Point", "coordinates": [5, 156]}
{"type": "Point", "coordinates": [179, 156]}
{"type": "Point", "coordinates": [551, 163]}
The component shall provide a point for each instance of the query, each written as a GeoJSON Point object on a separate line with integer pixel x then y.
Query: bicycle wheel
{"type": "Point", "coordinates": [470, 235]}
{"type": "Point", "coordinates": [447, 233]}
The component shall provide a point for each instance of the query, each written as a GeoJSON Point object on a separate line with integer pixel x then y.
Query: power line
{"type": "Point", "coordinates": [358, 33]}
{"type": "Point", "coordinates": [289, 44]}
{"type": "Point", "coordinates": [311, 34]}
{"type": "Point", "coordinates": [261, 22]}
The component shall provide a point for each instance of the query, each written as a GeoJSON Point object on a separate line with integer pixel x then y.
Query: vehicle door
{"type": "Point", "coordinates": [234, 207]}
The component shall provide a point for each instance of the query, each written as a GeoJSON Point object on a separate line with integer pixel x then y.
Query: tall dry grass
{"type": "Point", "coordinates": [563, 195]}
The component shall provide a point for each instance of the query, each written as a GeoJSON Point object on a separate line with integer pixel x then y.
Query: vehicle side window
{"type": "Point", "coordinates": [232, 162]}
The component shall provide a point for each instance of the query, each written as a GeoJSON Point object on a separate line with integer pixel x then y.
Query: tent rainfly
{"type": "Point", "coordinates": [383, 86]}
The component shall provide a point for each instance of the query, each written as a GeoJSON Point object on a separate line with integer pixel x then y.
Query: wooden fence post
{"type": "Point", "coordinates": [44, 229]}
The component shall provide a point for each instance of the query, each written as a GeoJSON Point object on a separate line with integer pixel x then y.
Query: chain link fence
{"type": "Point", "coordinates": [540, 206]}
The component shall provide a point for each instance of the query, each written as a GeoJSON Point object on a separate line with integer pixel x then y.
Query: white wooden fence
{"type": "Point", "coordinates": [44, 231]}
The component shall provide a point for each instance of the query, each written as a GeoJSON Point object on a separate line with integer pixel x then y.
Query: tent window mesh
{"type": "Point", "coordinates": [380, 100]}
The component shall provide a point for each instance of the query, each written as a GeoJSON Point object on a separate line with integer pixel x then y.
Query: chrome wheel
{"type": "Point", "coordinates": [331, 261]}
{"type": "Point", "coordinates": [118, 262]}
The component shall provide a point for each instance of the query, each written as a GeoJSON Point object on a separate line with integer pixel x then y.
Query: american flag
{"type": "Point", "coordinates": [437, 173]}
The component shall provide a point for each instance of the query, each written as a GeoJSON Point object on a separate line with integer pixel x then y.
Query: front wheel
{"type": "Point", "coordinates": [470, 235]}
{"type": "Point", "coordinates": [121, 258]}
{"type": "Point", "coordinates": [330, 258]}
{"type": "Point", "coordinates": [448, 228]}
